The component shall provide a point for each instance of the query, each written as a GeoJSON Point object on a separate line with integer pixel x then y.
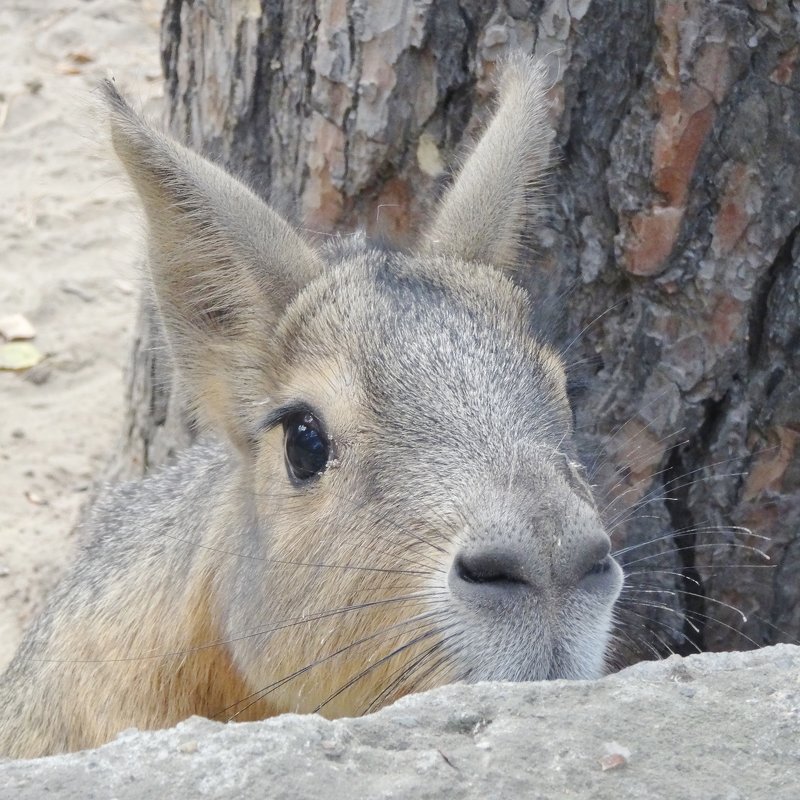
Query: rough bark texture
{"type": "Point", "coordinates": [672, 238]}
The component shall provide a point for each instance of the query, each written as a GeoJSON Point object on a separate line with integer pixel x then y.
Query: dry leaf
{"type": "Point", "coordinates": [612, 761]}
{"type": "Point", "coordinates": [616, 755]}
{"type": "Point", "coordinates": [65, 68]}
{"type": "Point", "coordinates": [80, 57]}
{"type": "Point", "coordinates": [19, 355]}
{"type": "Point", "coordinates": [15, 326]}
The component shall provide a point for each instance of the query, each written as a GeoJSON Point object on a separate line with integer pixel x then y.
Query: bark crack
{"type": "Point", "coordinates": [758, 328]}
{"type": "Point", "coordinates": [683, 463]}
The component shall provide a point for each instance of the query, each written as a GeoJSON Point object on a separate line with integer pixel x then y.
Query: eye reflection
{"type": "Point", "coordinates": [306, 445]}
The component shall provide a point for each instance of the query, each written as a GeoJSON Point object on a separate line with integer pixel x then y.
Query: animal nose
{"type": "Point", "coordinates": [491, 578]}
{"type": "Point", "coordinates": [490, 567]}
{"type": "Point", "coordinates": [589, 564]}
{"type": "Point", "coordinates": [493, 574]}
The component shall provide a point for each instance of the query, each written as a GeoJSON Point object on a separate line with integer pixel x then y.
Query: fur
{"type": "Point", "coordinates": [451, 535]}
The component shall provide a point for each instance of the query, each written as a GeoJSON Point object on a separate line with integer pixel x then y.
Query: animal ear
{"type": "Point", "coordinates": [484, 214]}
{"type": "Point", "coordinates": [223, 265]}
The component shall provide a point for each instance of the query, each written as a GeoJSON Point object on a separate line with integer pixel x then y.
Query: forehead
{"type": "Point", "coordinates": [424, 339]}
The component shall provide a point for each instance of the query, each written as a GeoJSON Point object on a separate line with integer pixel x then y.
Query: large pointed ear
{"type": "Point", "coordinates": [223, 265]}
{"type": "Point", "coordinates": [483, 215]}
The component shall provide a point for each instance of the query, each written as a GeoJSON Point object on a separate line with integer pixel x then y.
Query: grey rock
{"type": "Point", "coordinates": [723, 725]}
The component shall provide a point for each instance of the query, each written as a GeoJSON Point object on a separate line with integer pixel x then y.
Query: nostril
{"type": "Point", "coordinates": [603, 577]}
{"type": "Point", "coordinates": [600, 567]}
{"type": "Point", "coordinates": [489, 567]}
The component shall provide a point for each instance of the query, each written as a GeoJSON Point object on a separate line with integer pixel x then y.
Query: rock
{"type": "Point", "coordinates": [14, 327]}
{"type": "Point", "coordinates": [636, 734]}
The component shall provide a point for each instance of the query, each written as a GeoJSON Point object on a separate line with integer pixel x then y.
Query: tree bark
{"type": "Point", "coordinates": [671, 237]}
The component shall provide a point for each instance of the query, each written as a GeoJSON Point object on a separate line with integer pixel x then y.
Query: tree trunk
{"type": "Point", "coordinates": [672, 237]}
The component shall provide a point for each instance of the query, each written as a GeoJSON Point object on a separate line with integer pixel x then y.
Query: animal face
{"type": "Point", "coordinates": [405, 497]}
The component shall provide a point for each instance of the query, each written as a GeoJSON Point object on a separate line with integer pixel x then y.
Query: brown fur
{"type": "Point", "coordinates": [450, 534]}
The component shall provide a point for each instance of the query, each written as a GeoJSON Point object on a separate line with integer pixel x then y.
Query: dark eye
{"type": "Point", "coordinates": [306, 445]}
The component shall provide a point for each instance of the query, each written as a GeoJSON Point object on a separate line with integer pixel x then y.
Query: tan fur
{"type": "Point", "coordinates": [450, 534]}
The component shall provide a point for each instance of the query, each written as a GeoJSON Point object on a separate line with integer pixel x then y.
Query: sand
{"type": "Point", "coordinates": [70, 246]}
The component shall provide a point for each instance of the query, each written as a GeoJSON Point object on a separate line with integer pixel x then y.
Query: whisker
{"type": "Point", "coordinates": [366, 511]}
{"type": "Point", "coordinates": [397, 651]}
{"type": "Point", "coordinates": [632, 463]}
{"type": "Point", "coordinates": [686, 593]}
{"type": "Point", "coordinates": [404, 673]}
{"type": "Point", "coordinates": [732, 545]}
{"type": "Point", "coordinates": [674, 573]}
{"type": "Point", "coordinates": [634, 644]}
{"type": "Point", "coordinates": [259, 695]}
{"type": "Point", "coordinates": [396, 553]}
{"type": "Point", "coordinates": [692, 530]}
{"type": "Point", "coordinates": [286, 562]}
{"type": "Point", "coordinates": [652, 604]}
{"type": "Point", "coordinates": [586, 327]}
{"type": "Point", "coordinates": [658, 495]}
{"type": "Point", "coordinates": [279, 626]}
{"type": "Point", "coordinates": [676, 612]}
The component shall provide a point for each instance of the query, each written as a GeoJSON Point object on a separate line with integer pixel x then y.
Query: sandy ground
{"type": "Point", "coordinates": [69, 244]}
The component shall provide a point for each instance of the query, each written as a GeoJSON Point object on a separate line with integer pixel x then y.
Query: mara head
{"type": "Point", "coordinates": [405, 506]}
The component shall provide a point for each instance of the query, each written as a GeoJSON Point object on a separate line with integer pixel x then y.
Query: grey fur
{"type": "Point", "coordinates": [451, 535]}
